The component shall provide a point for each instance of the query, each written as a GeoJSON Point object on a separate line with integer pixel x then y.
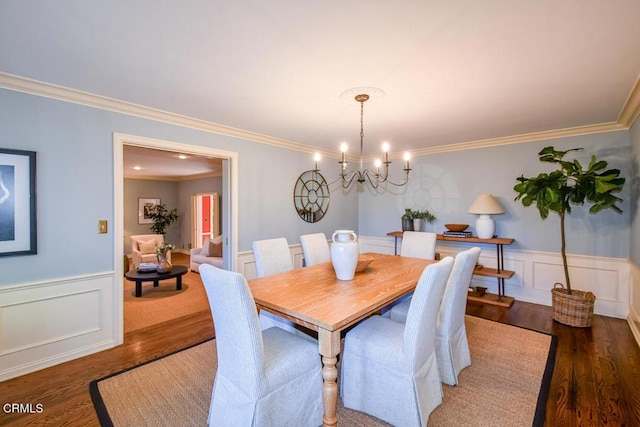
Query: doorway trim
{"type": "Point", "coordinates": [229, 214]}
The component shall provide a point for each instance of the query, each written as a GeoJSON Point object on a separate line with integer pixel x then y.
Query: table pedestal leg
{"type": "Point", "coordinates": [179, 283]}
{"type": "Point", "coordinates": [138, 288]}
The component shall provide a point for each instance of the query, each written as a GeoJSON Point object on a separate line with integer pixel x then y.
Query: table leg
{"type": "Point", "coordinates": [138, 288]}
{"type": "Point", "coordinates": [329, 344]}
{"type": "Point", "coordinates": [179, 283]}
{"type": "Point", "coordinates": [156, 283]}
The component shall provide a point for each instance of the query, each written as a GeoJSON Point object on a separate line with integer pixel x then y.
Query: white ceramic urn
{"type": "Point", "coordinates": [344, 253]}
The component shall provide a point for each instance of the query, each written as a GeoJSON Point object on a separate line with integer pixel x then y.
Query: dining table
{"type": "Point", "coordinates": [313, 297]}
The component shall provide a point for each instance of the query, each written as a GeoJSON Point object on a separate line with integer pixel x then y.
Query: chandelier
{"type": "Point", "coordinates": [374, 177]}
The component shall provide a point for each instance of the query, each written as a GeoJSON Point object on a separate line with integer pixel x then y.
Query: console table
{"type": "Point", "coordinates": [500, 273]}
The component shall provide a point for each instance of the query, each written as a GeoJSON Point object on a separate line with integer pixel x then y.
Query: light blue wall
{"type": "Point", "coordinates": [74, 146]}
{"type": "Point", "coordinates": [633, 182]}
{"type": "Point", "coordinates": [447, 184]}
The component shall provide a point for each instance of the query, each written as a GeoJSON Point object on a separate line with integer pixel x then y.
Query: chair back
{"type": "Point", "coordinates": [420, 327]}
{"type": "Point", "coordinates": [272, 256]}
{"type": "Point", "coordinates": [315, 248]}
{"type": "Point", "coordinates": [135, 240]}
{"type": "Point", "coordinates": [454, 300]}
{"type": "Point", "coordinates": [238, 336]}
{"type": "Point", "coordinates": [418, 244]}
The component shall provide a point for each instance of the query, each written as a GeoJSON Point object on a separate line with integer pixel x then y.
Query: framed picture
{"type": "Point", "coordinates": [144, 206]}
{"type": "Point", "coordinates": [18, 203]}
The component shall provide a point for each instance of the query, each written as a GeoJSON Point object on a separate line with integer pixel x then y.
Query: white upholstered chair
{"type": "Point", "coordinates": [273, 256]}
{"type": "Point", "coordinates": [315, 248]}
{"type": "Point", "coordinates": [143, 248]}
{"type": "Point", "coordinates": [389, 369]}
{"type": "Point", "coordinates": [452, 348]}
{"type": "Point", "coordinates": [264, 378]}
{"type": "Point", "coordinates": [418, 244]}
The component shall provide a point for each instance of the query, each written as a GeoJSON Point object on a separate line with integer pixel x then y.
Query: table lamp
{"type": "Point", "coordinates": [485, 205]}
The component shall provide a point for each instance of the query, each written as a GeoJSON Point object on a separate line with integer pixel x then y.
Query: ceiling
{"type": "Point", "coordinates": [446, 73]}
{"type": "Point", "coordinates": [147, 163]}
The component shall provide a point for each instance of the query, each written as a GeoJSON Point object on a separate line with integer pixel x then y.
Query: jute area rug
{"type": "Point", "coordinates": [506, 385]}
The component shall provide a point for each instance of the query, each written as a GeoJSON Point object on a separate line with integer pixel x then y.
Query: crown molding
{"type": "Point", "coordinates": [173, 178]}
{"type": "Point", "coordinates": [527, 137]}
{"type": "Point", "coordinates": [628, 115]}
{"type": "Point", "coordinates": [47, 90]}
{"type": "Point", "coordinates": [631, 109]}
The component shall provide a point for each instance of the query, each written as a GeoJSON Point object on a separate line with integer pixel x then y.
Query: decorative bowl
{"type": "Point", "coordinates": [363, 262]}
{"type": "Point", "coordinates": [456, 227]}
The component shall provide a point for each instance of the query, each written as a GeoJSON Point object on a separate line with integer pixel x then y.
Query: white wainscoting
{"type": "Point", "coordinates": [634, 307]}
{"type": "Point", "coordinates": [46, 323]}
{"type": "Point", "coordinates": [536, 272]}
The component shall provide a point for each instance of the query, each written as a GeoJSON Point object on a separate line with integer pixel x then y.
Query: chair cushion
{"type": "Point", "coordinates": [147, 247]}
{"type": "Point", "coordinates": [212, 247]}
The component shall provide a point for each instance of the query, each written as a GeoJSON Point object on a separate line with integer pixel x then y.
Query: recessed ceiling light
{"type": "Point", "coordinates": [182, 156]}
{"type": "Point", "coordinates": [137, 168]}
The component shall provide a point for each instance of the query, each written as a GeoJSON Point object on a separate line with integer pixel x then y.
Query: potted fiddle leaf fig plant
{"type": "Point", "coordinates": [557, 191]}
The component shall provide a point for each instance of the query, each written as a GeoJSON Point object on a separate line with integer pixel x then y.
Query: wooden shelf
{"type": "Point", "coordinates": [500, 273]}
{"type": "Point", "coordinates": [492, 299]}
{"type": "Point", "coordinates": [493, 272]}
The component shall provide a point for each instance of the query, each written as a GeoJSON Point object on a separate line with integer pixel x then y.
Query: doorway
{"type": "Point", "coordinates": [228, 223]}
{"type": "Point", "coordinates": [205, 218]}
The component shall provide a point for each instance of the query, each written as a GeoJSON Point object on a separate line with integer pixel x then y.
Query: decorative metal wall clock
{"type": "Point", "coordinates": [311, 196]}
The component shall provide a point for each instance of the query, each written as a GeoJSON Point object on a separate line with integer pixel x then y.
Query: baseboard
{"type": "Point", "coordinates": [47, 323]}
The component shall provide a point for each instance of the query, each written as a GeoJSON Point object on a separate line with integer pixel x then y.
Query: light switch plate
{"type": "Point", "coordinates": [102, 226]}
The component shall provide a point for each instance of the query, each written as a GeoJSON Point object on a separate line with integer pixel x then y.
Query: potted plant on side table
{"type": "Point", "coordinates": [557, 191]}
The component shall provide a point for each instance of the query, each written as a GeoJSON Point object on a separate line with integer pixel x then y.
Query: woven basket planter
{"type": "Point", "coordinates": [573, 310]}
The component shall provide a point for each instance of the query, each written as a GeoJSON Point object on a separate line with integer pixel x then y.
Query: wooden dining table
{"type": "Point", "coordinates": [313, 297]}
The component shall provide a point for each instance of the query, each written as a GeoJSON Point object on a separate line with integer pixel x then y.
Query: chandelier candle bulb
{"type": "Point", "coordinates": [385, 148]}
{"type": "Point", "coordinates": [407, 156]}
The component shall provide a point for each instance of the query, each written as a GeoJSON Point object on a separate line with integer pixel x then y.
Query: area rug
{"type": "Point", "coordinates": [506, 385]}
{"type": "Point", "coordinates": [164, 302]}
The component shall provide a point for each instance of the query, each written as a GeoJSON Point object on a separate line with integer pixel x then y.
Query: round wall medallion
{"type": "Point", "coordinates": [311, 196]}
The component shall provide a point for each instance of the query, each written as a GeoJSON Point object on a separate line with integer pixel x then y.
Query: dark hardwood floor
{"type": "Point", "coordinates": [596, 381]}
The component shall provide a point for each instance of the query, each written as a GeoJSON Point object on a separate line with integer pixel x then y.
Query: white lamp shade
{"type": "Point", "coordinates": [485, 204]}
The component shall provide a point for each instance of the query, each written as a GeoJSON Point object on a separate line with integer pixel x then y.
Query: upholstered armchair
{"type": "Point", "coordinates": [143, 248]}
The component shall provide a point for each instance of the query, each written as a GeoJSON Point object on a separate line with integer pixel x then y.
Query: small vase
{"type": "Point", "coordinates": [344, 253]}
{"type": "Point", "coordinates": [417, 224]}
{"type": "Point", "coordinates": [407, 222]}
{"type": "Point", "coordinates": [164, 266]}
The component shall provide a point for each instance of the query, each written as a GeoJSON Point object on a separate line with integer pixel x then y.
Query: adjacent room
{"type": "Point", "coordinates": [416, 213]}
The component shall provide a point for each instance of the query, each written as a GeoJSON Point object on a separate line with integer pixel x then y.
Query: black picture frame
{"type": "Point", "coordinates": [18, 221]}
{"type": "Point", "coordinates": [145, 204]}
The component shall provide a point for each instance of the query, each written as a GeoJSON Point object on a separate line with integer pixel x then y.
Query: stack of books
{"type": "Point", "coordinates": [147, 267]}
{"type": "Point", "coordinates": [457, 234]}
